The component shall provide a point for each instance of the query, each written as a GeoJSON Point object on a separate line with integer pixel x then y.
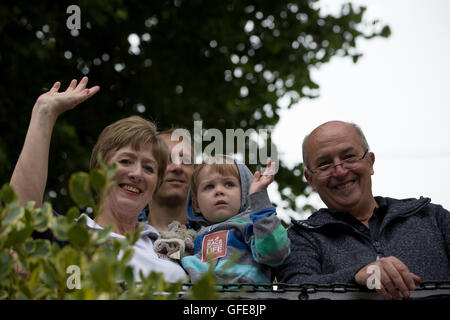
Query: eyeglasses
{"type": "Point", "coordinates": [350, 162]}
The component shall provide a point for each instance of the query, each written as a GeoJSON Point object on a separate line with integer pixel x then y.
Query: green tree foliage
{"type": "Point", "coordinates": [226, 63]}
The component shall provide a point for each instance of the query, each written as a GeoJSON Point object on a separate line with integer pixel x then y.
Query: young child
{"type": "Point", "coordinates": [237, 220]}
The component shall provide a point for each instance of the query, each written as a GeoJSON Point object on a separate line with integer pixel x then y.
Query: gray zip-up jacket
{"type": "Point", "coordinates": [331, 247]}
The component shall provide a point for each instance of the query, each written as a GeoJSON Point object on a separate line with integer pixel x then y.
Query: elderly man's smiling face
{"type": "Point", "coordinates": [344, 189]}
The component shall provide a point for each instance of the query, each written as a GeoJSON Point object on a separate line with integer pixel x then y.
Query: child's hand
{"type": "Point", "coordinates": [261, 182]}
{"type": "Point", "coordinates": [54, 103]}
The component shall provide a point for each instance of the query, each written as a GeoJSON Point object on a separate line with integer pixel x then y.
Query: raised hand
{"type": "Point", "coordinates": [54, 103]}
{"type": "Point", "coordinates": [30, 174]}
{"type": "Point", "coordinates": [261, 182]}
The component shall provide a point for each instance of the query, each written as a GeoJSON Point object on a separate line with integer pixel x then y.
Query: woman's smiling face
{"type": "Point", "coordinates": [137, 178]}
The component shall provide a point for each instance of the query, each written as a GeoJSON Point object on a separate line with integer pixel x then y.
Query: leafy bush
{"type": "Point", "coordinates": [89, 267]}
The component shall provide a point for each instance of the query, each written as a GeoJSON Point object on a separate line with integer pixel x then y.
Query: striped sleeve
{"type": "Point", "coordinates": [268, 238]}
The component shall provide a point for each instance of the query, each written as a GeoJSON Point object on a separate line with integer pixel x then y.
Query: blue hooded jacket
{"type": "Point", "coordinates": [254, 237]}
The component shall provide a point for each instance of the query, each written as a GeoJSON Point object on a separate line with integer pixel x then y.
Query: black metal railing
{"type": "Point", "coordinates": [311, 291]}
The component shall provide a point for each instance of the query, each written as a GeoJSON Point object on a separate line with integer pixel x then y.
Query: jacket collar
{"type": "Point", "coordinates": [392, 208]}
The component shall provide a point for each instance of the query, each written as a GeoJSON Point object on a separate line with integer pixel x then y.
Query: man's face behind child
{"type": "Point", "coordinates": [218, 196]}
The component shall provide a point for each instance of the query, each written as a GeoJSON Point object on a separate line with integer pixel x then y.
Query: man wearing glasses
{"type": "Point", "coordinates": [403, 241]}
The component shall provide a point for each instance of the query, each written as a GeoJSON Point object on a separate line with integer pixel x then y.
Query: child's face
{"type": "Point", "coordinates": [218, 196]}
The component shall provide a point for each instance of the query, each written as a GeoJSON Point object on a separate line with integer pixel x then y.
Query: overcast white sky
{"type": "Point", "coordinates": [398, 92]}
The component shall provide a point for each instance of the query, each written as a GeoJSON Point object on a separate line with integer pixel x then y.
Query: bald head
{"type": "Point", "coordinates": [328, 128]}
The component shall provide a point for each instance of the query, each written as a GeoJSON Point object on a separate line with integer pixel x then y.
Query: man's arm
{"type": "Point", "coordinates": [443, 220]}
{"type": "Point", "coordinates": [30, 173]}
{"type": "Point", "coordinates": [395, 278]}
{"type": "Point", "coordinates": [304, 265]}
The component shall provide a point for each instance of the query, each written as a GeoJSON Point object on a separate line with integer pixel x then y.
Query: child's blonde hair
{"type": "Point", "coordinates": [221, 164]}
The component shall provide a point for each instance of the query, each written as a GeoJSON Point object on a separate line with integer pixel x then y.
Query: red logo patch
{"type": "Point", "coordinates": [215, 245]}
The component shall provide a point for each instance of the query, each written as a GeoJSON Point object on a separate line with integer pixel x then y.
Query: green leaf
{"type": "Point", "coordinates": [23, 288]}
{"type": "Point", "coordinates": [205, 288]}
{"type": "Point", "coordinates": [80, 189]}
{"type": "Point", "coordinates": [60, 227]}
{"type": "Point", "coordinates": [13, 213]}
{"type": "Point", "coordinates": [41, 249]}
{"type": "Point", "coordinates": [72, 214]}
{"type": "Point", "coordinates": [30, 205]}
{"type": "Point", "coordinates": [127, 255]}
{"type": "Point", "coordinates": [7, 193]}
{"type": "Point", "coordinates": [4, 295]}
{"type": "Point", "coordinates": [78, 235]}
{"type": "Point", "coordinates": [29, 246]}
{"type": "Point", "coordinates": [385, 32]}
{"type": "Point", "coordinates": [98, 179]}
{"type": "Point", "coordinates": [6, 263]}
{"type": "Point", "coordinates": [111, 170]}
{"type": "Point", "coordinates": [101, 276]}
{"type": "Point", "coordinates": [50, 275]}
{"type": "Point", "coordinates": [129, 276]}
{"type": "Point", "coordinates": [102, 235]}
{"type": "Point", "coordinates": [17, 236]}
{"type": "Point", "coordinates": [35, 278]}
{"type": "Point", "coordinates": [133, 237]}
{"type": "Point", "coordinates": [112, 248]}
{"type": "Point", "coordinates": [42, 217]}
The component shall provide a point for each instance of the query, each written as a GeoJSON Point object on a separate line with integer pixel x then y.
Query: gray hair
{"type": "Point", "coordinates": [358, 130]}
